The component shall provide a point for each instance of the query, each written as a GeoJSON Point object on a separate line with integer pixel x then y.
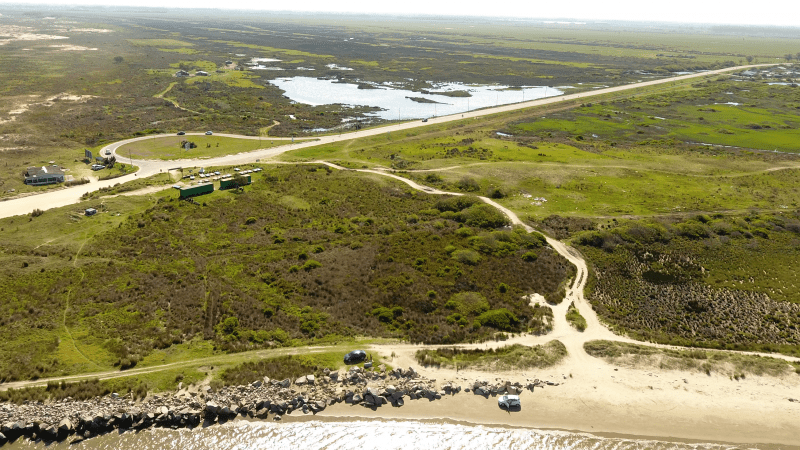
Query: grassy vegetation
{"type": "Point", "coordinates": [140, 183]}
{"type": "Point", "coordinates": [575, 318]}
{"type": "Point", "coordinates": [206, 147]}
{"type": "Point", "coordinates": [138, 386]}
{"type": "Point", "coordinates": [707, 281]}
{"type": "Point", "coordinates": [512, 357]}
{"type": "Point", "coordinates": [279, 368]}
{"type": "Point", "coordinates": [730, 364]}
{"type": "Point", "coordinates": [735, 111]}
{"type": "Point", "coordinates": [318, 268]}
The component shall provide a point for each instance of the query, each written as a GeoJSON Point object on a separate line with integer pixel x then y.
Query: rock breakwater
{"type": "Point", "coordinates": [262, 399]}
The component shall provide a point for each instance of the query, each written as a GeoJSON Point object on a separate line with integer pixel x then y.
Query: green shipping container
{"type": "Point", "coordinates": [229, 184]}
{"type": "Point", "coordinates": [191, 191]}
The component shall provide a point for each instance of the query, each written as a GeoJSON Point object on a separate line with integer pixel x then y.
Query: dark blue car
{"type": "Point", "coordinates": [355, 357]}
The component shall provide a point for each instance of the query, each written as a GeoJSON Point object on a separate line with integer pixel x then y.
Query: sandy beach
{"type": "Point", "coordinates": [654, 404]}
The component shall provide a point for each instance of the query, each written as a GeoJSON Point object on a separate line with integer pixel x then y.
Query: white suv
{"type": "Point", "coordinates": [509, 401]}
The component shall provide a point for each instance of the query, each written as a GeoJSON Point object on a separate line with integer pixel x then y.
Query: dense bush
{"type": "Point", "coordinates": [248, 287]}
{"type": "Point", "coordinates": [706, 281]}
{"type": "Point", "coordinates": [501, 319]}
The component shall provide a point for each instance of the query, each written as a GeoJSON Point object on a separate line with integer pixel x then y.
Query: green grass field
{"type": "Point", "coordinates": [168, 148]}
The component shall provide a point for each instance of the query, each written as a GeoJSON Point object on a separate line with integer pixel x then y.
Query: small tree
{"type": "Point", "coordinates": [749, 59]}
{"type": "Point", "coordinates": [118, 59]}
{"type": "Point", "coordinates": [240, 181]}
{"type": "Point", "coordinates": [788, 57]}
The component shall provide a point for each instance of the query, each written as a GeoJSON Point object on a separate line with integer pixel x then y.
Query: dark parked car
{"type": "Point", "coordinates": [355, 357]}
{"type": "Point", "coordinates": [181, 133]}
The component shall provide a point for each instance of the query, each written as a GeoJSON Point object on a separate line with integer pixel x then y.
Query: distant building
{"type": "Point", "coordinates": [38, 176]}
{"type": "Point", "coordinates": [201, 73]}
{"type": "Point", "coordinates": [181, 73]}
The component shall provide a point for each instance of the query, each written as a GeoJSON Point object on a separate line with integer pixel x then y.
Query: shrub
{"type": "Point", "coordinates": [319, 249]}
{"type": "Point", "coordinates": [495, 193]}
{"type": "Point", "coordinates": [36, 212]}
{"type": "Point", "coordinates": [468, 184]}
{"type": "Point", "coordinates": [387, 315]}
{"type": "Point", "coordinates": [457, 203]}
{"type": "Point", "coordinates": [530, 256]}
{"type": "Point", "coordinates": [468, 303]}
{"type": "Point", "coordinates": [310, 265]}
{"type": "Point", "coordinates": [250, 221]}
{"type": "Point", "coordinates": [482, 216]}
{"type": "Point", "coordinates": [501, 319]}
{"type": "Point", "coordinates": [465, 232]}
{"type": "Point", "coordinates": [575, 318]}
{"type": "Point", "coordinates": [470, 257]}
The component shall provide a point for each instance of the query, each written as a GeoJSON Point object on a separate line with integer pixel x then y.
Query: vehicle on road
{"type": "Point", "coordinates": [355, 357]}
{"type": "Point", "coordinates": [209, 133]}
{"type": "Point", "coordinates": [509, 402]}
{"type": "Point", "coordinates": [181, 133]}
{"type": "Point", "coordinates": [425, 120]}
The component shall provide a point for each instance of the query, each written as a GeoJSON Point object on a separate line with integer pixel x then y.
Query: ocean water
{"type": "Point", "coordinates": [363, 435]}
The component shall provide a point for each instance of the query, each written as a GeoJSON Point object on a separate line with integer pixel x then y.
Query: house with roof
{"type": "Point", "coordinates": [39, 176]}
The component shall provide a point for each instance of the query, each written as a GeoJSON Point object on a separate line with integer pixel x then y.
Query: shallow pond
{"type": "Point", "coordinates": [397, 104]}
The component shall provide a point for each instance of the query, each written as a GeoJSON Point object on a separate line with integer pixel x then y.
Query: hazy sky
{"type": "Point", "coordinates": [777, 12]}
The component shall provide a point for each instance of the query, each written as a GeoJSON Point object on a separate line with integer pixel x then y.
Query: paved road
{"type": "Point", "coordinates": [63, 197]}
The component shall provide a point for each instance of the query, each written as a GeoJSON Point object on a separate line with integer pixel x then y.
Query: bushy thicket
{"type": "Point", "coordinates": [237, 268]}
{"type": "Point", "coordinates": [710, 281]}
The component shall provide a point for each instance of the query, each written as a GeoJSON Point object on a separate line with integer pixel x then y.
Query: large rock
{"type": "Point", "coordinates": [65, 427]}
{"type": "Point", "coordinates": [212, 408]}
{"type": "Point", "coordinates": [310, 379]}
{"type": "Point", "coordinates": [3, 439]}
{"type": "Point", "coordinates": [262, 413]}
{"type": "Point", "coordinates": [48, 432]}
{"type": "Point", "coordinates": [301, 381]}
{"type": "Point", "coordinates": [12, 430]}
{"type": "Point", "coordinates": [285, 383]}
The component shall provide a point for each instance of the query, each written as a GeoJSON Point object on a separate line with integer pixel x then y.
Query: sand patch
{"type": "Point", "coordinates": [71, 48]}
{"type": "Point", "coordinates": [24, 106]}
{"type": "Point", "coordinates": [91, 30]}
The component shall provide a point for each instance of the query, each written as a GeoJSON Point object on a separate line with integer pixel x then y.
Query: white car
{"type": "Point", "coordinates": [209, 133]}
{"type": "Point", "coordinates": [509, 401]}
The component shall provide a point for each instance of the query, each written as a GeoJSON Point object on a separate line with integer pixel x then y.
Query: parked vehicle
{"type": "Point", "coordinates": [181, 133]}
{"type": "Point", "coordinates": [355, 357]}
{"type": "Point", "coordinates": [509, 402]}
{"type": "Point", "coordinates": [425, 120]}
{"type": "Point", "coordinates": [209, 133]}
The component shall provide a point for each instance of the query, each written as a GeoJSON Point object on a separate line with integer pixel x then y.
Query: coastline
{"type": "Point", "coordinates": [606, 400]}
{"type": "Point", "coordinates": [471, 410]}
